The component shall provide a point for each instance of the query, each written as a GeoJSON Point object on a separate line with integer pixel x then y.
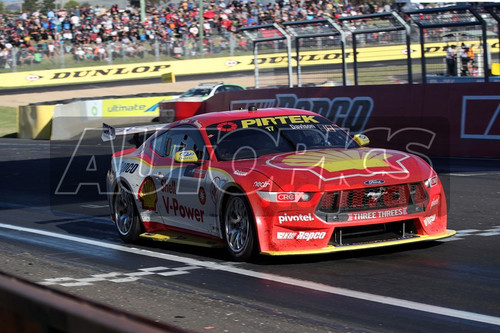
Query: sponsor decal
{"type": "Point", "coordinates": [117, 71]}
{"type": "Point", "coordinates": [429, 220]}
{"type": "Point", "coordinates": [302, 235]}
{"type": "Point", "coordinates": [128, 167]}
{"type": "Point", "coordinates": [240, 173]}
{"type": "Point", "coordinates": [307, 236]}
{"type": "Point", "coordinates": [265, 184]}
{"type": "Point", "coordinates": [339, 160]}
{"type": "Point", "coordinates": [327, 164]}
{"type": "Point", "coordinates": [33, 77]}
{"type": "Point", "coordinates": [378, 214]}
{"type": "Point", "coordinates": [435, 202]}
{"type": "Point", "coordinates": [295, 218]}
{"type": "Point", "coordinates": [346, 112]}
{"type": "Point", "coordinates": [283, 120]}
{"type": "Point", "coordinates": [285, 197]}
{"type": "Point", "coordinates": [231, 63]}
{"type": "Point", "coordinates": [168, 188]}
{"type": "Point", "coordinates": [305, 126]}
{"type": "Point", "coordinates": [186, 154]}
{"type": "Point", "coordinates": [286, 235]}
{"type": "Point", "coordinates": [227, 126]}
{"type": "Point", "coordinates": [147, 194]}
{"type": "Point", "coordinates": [126, 107]}
{"type": "Point", "coordinates": [374, 182]}
{"type": "Point", "coordinates": [214, 186]}
{"type": "Point", "coordinates": [202, 195]}
{"type": "Point", "coordinates": [200, 173]}
{"type": "Point", "coordinates": [172, 207]}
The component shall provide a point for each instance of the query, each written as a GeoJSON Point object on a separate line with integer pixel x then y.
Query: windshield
{"type": "Point", "coordinates": [251, 138]}
{"type": "Point", "coordinates": [197, 92]}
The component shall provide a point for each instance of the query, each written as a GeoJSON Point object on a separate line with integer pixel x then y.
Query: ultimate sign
{"type": "Point", "coordinates": [272, 181]}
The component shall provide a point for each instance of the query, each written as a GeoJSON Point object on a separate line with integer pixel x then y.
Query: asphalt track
{"type": "Point", "coordinates": [63, 239]}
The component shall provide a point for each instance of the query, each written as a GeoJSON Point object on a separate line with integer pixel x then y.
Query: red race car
{"type": "Point", "coordinates": [272, 181]}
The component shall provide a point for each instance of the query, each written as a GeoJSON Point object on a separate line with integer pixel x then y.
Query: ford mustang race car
{"type": "Point", "coordinates": [272, 181]}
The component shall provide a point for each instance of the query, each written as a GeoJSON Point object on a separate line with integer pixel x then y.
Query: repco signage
{"type": "Point", "coordinates": [108, 72]}
{"type": "Point", "coordinates": [351, 113]}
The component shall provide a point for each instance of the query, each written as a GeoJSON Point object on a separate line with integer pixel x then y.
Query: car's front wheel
{"type": "Point", "coordinates": [127, 220]}
{"type": "Point", "coordinates": [238, 228]}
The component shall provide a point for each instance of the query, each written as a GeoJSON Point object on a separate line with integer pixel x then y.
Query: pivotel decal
{"type": "Point", "coordinates": [295, 218]}
{"type": "Point", "coordinates": [351, 113]}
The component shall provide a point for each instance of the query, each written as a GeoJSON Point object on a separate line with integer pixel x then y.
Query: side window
{"type": "Point", "coordinates": [220, 89]}
{"type": "Point", "coordinates": [185, 138]}
{"type": "Point", "coordinates": [159, 144]}
{"type": "Point", "coordinates": [233, 88]}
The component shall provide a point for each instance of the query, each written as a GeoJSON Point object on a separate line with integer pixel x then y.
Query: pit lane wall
{"type": "Point", "coordinates": [66, 120]}
{"type": "Point", "coordinates": [460, 120]}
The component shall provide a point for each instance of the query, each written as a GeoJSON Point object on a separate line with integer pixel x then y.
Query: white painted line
{"type": "Point", "coordinates": [437, 310]}
{"type": "Point", "coordinates": [472, 174]}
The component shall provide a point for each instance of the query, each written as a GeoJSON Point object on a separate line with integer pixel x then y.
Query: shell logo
{"type": "Point", "coordinates": [147, 194]}
{"type": "Point", "coordinates": [338, 161]}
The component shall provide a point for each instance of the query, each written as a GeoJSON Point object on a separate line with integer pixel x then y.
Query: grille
{"type": "Point", "coordinates": [366, 234]}
{"type": "Point", "coordinates": [412, 195]}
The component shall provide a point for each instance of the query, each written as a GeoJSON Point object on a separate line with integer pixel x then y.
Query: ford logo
{"type": "Point", "coordinates": [374, 182]}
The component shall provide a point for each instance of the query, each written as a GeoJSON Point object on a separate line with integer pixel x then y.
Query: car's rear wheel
{"type": "Point", "coordinates": [238, 228]}
{"type": "Point", "coordinates": [127, 220]}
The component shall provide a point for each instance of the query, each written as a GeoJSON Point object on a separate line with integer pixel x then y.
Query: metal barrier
{"type": "Point", "coordinates": [28, 307]}
{"type": "Point", "coordinates": [364, 49]}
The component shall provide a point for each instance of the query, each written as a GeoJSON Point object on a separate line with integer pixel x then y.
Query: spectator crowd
{"type": "Point", "coordinates": [87, 32]}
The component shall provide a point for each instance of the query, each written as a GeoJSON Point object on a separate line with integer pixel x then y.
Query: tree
{"type": "Point", "coordinates": [2, 8]}
{"type": "Point", "coordinates": [30, 5]}
{"type": "Point", "coordinates": [47, 4]}
{"type": "Point", "coordinates": [71, 4]}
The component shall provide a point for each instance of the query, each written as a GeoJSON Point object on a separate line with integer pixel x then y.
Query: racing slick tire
{"type": "Point", "coordinates": [125, 215]}
{"type": "Point", "coordinates": [239, 228]}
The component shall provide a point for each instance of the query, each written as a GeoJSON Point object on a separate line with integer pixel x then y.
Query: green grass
{"type": "Point", "coordinates": [8, 121]}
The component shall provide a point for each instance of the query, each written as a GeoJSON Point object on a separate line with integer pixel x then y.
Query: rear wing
{"type": "Point", "coordinates": [110, 133]}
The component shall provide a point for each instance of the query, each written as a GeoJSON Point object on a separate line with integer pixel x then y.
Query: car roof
{"type": "Point", "coordinates": [207, 119]}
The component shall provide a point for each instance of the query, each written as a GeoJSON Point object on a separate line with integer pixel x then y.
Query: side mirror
{"type": "Point", "coordinates": [361, 140]}
{"type": "Point", "coordinates": [185, 156]}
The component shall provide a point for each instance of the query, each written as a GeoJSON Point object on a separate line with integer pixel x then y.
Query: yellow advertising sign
{"type": "Point", "coordinates": [131, 107]}
{"type": "Point", "coordinates": [213, 65]}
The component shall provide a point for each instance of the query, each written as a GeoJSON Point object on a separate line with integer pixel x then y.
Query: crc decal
{"type": "Point", "coordinates": [147, 194]}
{"type": "Point", "coordinates": [350, 113]}
{"type": "Point", "coordinates": [285, 197]}
{"type": "Point", "coordinates": [380, 214]}
{"type": "Point", "coordinates": [173, 207]}
{"type": "Point", "coordinates": [295, 218]}
{"type": "Point", "coordinates": [330, 165]}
